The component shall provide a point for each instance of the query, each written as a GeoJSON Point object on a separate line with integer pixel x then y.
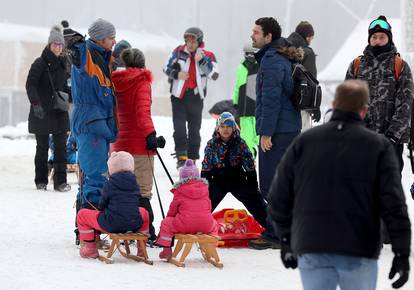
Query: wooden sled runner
{"type": "Point", "coordinates": [206, 243]}
{"type": "Point", "coordinates": [140, 239]}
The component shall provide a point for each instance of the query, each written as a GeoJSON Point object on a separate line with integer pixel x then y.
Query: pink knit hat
{"type": "Point", "coordinates": [189, 170]}
{"type": "Point", "coordinates": [120, 161]}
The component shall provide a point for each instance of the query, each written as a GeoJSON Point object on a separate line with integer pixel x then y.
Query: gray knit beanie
{"type": "Point", "coordinates": [56, 35]}
{"type": "Point", "coordinates": [133, 57]}
{"type": "Point", "coordinates": [101, 29]}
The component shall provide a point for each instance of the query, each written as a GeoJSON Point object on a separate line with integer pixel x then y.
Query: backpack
{"type": "Point", "coordinates": [398, 66]}
{"type": "Point", "coordinates": [307, 95]}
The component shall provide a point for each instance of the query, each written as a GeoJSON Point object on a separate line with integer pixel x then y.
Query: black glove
{"type": "Point", "coordinates": [289, 259]}
{"type": "Point", "coordinates": [207, 175]}
{"type": "Point", "coordinates": [38, 111]}
{"type": "Point", "coordinates": [316, 115]}
{"type": "Point", "coordinates": [160, 142]}
{"type": "Point", "coordinates": [400, 265]}
{"type": "Point", "coordinates": [252, 180]}
{"type": "Point", "coordinates": [151, 141]}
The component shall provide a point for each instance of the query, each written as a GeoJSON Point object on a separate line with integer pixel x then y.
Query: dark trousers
{"type": "Point", "coordinates": [145, 203]}
{"type": "Point", "coordinates": [187, 110]}
{"type": "Point", "coordinates": [59, 161]}
{"type": "Point", "coordinates": [268, 162]}
{"type": "Point", "coordinates": [252, 200]}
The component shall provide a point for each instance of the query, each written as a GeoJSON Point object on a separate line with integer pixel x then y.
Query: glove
{"type": "Point", "coordinates": [38, 111]}
{"type": "Point", "coordinates": [289, 259]}
{"type": "Point", "coordinates": [207, 175]}
{"type": "Point", "coordinates": [151, 141]}
{"type": "Point", "coordinates": [252, 180]}
{"type": "Point", "coordinates": [392, 139]}
{"type": "Point", "coordinates": [316, 115]}
{"type": "Point", "coordinates": [160, 142]}
{"type": "Point", "coordinates": [400, 265]}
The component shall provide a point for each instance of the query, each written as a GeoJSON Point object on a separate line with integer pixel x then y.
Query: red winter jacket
{"type": "Point", "coordinates": [191, 207]}
{"type": "Point", "coordinates": [133, 90]}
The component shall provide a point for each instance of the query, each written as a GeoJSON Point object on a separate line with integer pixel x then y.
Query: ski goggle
{"type": "Point", "coordinates": [381, 23]}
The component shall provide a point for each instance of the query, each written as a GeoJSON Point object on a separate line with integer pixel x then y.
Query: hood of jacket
{"type": "Point", "coordinates": [297, 40]}
{"type": "Point", "coordinates": [130, 78]}
{"type": "Point", "coordinates": [193, 187]}
{"type": "Point", "coordinates": [124, 180]}
{"type": "Point", "coordinates": [283, 47]}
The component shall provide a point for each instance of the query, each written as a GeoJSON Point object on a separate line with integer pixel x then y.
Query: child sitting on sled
{"type": "Point", "coordinates": [119, 206]}
{"type": "Point", "coordinates": [190, 210]}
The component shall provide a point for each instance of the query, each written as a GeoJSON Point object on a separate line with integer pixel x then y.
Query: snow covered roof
{"type": "Point", "coordinates": [142, 40]}
{"type": "Point", "coordinates": [354, 46]}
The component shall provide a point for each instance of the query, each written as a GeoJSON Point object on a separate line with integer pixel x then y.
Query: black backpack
{"type": "Point", "coordinates": [307, 95]}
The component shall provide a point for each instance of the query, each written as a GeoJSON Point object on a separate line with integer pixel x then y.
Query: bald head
{"type": "Point", "coordinates": [351, 96]}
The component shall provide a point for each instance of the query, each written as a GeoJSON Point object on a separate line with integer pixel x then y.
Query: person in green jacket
{"type": "Point", "coordinates": [244, 97]}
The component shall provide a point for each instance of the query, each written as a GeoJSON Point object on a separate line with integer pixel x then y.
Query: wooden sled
{"type": "Point", "coordinates": [206, 243]}
{"type": "Point", "coordinates": [140, 239]}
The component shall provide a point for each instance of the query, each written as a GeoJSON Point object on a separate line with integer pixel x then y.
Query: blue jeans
{"type": "Point", "coordinates": [327, 271]}
{"type": "Point", "coordinates": [92, 156]}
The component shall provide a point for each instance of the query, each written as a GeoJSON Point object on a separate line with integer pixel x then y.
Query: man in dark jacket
{"type": "Point", "coordinates": [390, 96]}
{"type": "Point", "coordinates": [302, 37]}
{"type": "Point", "coordinates": [277, 121]}
{"type": "Point", "coordinates": [328, 197]}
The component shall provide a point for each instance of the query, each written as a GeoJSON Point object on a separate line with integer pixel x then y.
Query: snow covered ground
{"type": "Point", "coordinates": [38, 250]}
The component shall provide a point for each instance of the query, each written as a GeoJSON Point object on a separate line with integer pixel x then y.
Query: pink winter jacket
{"type": "Point", "coordinates": [191, 207]}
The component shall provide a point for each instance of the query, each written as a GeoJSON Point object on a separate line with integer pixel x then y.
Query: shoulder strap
{"type": "Point", "coordinates": [50, 77]}
{"type": "Point", "coordinates": [398, 66]}
{"type": "Point", "coordinates": [356, 63]}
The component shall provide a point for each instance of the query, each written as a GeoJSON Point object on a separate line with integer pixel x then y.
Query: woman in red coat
{"type": "Point", "coordinates": [136, 129]}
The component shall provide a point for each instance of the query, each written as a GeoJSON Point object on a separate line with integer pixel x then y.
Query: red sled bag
{"type": "Point", "coordinates": [236, 228]}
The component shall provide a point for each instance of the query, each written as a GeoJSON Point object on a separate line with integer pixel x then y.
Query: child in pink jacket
{"type": "Point", "coordinates": [190, 210]}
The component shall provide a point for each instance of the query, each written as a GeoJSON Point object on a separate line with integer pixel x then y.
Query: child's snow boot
{"type": "Point", "coordinates": [166, 254]}
{"type": "Point", "coordinates": [88, 250]}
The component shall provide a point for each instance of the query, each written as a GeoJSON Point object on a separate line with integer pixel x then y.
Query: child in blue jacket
{"type": "Point", "coordinates": [119, 206]}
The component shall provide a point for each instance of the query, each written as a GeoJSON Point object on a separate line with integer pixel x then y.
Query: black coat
{"type": "Point", "coordinates": [309, 59]}
{"type": "Point", "coordinates": [333, 185]}
{"type": "Point", "coordinates": [39, 90]}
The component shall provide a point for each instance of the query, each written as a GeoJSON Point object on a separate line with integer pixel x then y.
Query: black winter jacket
{"type": "Point", "coordinates": [120, 204]}
{"type": "Point", "coordinates": [309, 59]}
{"type": "Point", "coordinates": [39, 91]}
{"type": "Point", "coordinates": [332, 187]}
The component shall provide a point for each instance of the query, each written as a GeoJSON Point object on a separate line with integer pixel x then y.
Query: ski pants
{"type": "Point", "coordinates": [168, 228]}
{"type": "Point", "coordinates": [187, 110]}
{"type": "Point", "coordinates": [87, 220]}
{"type": "Point", "coordinates": [92, 155]}
{"type": "Point", "coordinates": [252, 200]}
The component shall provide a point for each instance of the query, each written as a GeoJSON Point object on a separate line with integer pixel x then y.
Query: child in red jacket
{"type": "Point", "coordinates": [190, 210]}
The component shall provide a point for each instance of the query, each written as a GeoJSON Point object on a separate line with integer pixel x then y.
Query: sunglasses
{"type": "Point", "coordinates": [58, 44]}
{"type": "Point", "coordinates": [381, 23]}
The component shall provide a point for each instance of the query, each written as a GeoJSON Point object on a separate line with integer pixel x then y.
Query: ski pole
{"type": "Point", "coordinates": [165, 168]}
{"type": "Point", "coordinates": [156, 187]}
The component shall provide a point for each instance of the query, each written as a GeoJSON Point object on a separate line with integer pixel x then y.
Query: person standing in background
{"type": "Point", "coordinates": [302, 37]}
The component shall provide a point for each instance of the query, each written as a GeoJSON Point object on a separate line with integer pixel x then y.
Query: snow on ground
{"type": "Point", "coordinates": [38, 250]}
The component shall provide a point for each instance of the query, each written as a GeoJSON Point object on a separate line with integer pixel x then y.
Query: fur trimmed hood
{"type": "Point", "coordinates": [284, 47]}
{"type": "Point", "coordinates": [188, 179]}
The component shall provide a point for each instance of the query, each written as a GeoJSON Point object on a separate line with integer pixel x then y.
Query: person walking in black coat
{"type": "Point", "coordinates": [333, 185]}
{"type": "Point", "coordinates": [43, 120]}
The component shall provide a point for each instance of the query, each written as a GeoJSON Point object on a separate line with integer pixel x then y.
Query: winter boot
{"type": "Point", "coordinates": [88, 250]}
{"type": "Point", "coordinates": [166, 254]}
{"type": "Point", "coordinates": [181, 160]}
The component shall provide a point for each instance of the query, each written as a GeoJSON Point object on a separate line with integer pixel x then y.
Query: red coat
{"type": "Point", "coordinates": [133, 90]}
{"type": "Point", "coordinates": [191, 207]}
